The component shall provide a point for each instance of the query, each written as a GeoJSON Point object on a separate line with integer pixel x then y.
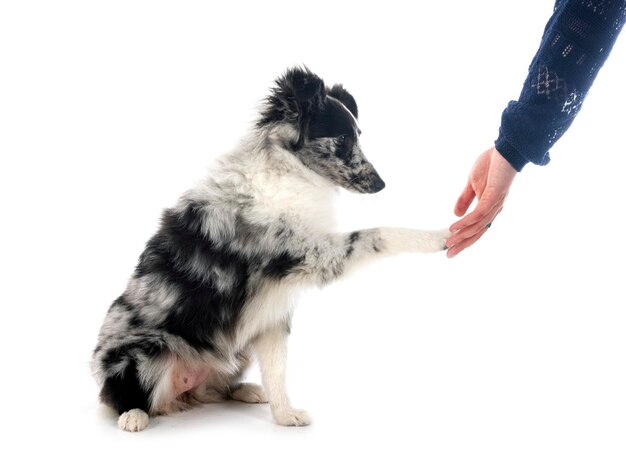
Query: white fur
{"type": "Point", "coordinates": [133, 420]}
{"type": "Point", "coordinates": [249, 393]}
{"type": "Point", "coordinates": [271, 349]}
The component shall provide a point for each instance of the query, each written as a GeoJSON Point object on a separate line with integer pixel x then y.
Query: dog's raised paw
{"type": "Point", "coordinates": [435, 241]}
{"type": "Point", "coordinates": [292, 417]}
{"type": "Point", "coordinates": [443, 238]}
{"type": "Point", "coordinates": [133, 420]}
{"type": "Point", "coordinates": [250, 393]}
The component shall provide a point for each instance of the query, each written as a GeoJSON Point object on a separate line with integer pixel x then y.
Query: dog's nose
{"type": "Point", "coordinates": [377, 184]}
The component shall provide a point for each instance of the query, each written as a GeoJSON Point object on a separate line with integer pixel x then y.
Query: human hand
{"type": "Point", "coordinates": [489, 181]}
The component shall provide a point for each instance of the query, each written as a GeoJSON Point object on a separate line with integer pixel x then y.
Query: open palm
{"type": "Point", "coordinates": [490, 180]}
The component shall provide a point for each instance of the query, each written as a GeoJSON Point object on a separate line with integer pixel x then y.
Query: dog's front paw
{"type": "Point", "coordinates": [441, 238]}
{"type": "Point", "coordinates": [292, 417]}
{"type": "Point", "coordinates": [433, 241]}
{"type": "Point", "coordinates": [133, 420]}
{"type": "Point", "coordinates": [397, 240]}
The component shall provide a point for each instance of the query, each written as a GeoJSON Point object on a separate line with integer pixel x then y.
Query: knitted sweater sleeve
{"type": "Point", "coordinates": [575, 44]}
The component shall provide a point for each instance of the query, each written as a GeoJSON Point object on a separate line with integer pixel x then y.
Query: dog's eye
{"type": "Point", "coordinates": [341, 140]}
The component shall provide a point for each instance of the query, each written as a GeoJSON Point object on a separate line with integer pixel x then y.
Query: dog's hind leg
{"type": "Point", "coordinates": [248, 392]}
{"type": "Point", "coordinates": [245, 392]}
{"type": "Point", "coordinates": [125, 393]}
{"type": "Point", "coordinates": [142, 377]}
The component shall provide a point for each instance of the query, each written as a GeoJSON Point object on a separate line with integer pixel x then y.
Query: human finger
{"type": "Point", "coordinates": [477, 228]}
{"type": "Point", "coordinates": [482, 210]}
{"type": "Point", "coordinates": [464, 201]}
{"type": "Point", "coordinates": [453, 251]}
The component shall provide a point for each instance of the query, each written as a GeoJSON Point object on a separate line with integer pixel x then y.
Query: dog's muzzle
{"type": "Point", "coordinates": [370, 182]}
{"type": "Point", "coordinates": [376, 184]}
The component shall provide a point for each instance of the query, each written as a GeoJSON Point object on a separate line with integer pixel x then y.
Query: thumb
{"type": "Point", "coordinates": [464, 200]}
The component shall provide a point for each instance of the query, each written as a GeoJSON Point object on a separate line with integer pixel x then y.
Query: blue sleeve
{"type": "Point", "coordinates": [575, 44]}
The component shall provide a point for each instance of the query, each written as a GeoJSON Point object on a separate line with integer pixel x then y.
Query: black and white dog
{"type": "Point", "coordinates": [218, 281]}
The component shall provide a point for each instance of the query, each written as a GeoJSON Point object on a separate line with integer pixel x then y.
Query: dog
{"type": "Point", "coordinates": [217, 282]}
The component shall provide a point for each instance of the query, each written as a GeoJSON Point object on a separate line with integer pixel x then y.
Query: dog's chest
{"type": "Point", "coordinates": [306, 204]}
{"type": "Point", "coordinates": [272, 306]}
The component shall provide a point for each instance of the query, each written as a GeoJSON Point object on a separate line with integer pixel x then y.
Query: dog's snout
{"type": "Point", "coordinates": [368, 181]}
{"type": "Point", "coordinates": [377, 184]}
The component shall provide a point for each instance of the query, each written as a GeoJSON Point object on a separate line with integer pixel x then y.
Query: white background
{"type": "Point", "coordinates": [514, 351]}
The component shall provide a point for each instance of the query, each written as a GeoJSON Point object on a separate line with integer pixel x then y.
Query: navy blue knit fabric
{"type": "Point", "coordinates": [575, 44]}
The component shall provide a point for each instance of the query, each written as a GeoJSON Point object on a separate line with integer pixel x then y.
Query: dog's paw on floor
{"type": "Point", "coordinates": [133, 420]}
{"type": "Point", "coordinates": [292, 417]}
{"type": "Point", "coordinates": [250, 393]}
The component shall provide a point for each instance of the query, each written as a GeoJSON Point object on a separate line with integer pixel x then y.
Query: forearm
{"type": "Point", "coordinates": [342, 253]}
{"type": "Point", "coordinates": [577, 40]}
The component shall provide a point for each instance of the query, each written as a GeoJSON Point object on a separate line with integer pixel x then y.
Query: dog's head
{"type": "Point", "coordinates": [322, 129]}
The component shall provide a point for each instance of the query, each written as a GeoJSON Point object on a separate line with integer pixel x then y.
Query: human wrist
{"type": "Point", "coordinates": [508, 152]}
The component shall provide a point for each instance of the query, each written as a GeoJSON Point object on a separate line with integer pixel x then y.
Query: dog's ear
{"type": "Point", "coordinates": [344, 96]}
{"type": "Point", "coordinates": [298, 94]}
{"type": "Point", "coordinates": [307, 88]}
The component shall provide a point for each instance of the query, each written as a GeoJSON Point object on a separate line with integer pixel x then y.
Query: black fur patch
{"type": "Point", "coordinates": [123, 303]}
{"type": "Point", "coordinates": [296, 95]}
{"type": "Point", "coordinates": [351, 240]}
{"type": "Point", "coordinates": [300, 98]}
{"type": "Point", "coordinates": [318, 113]}
{"type": "Point", "coordinates": [148, 346]}
{"type": "Point", "coordinates": [348, 100]}
{"type": "Point", "coordinates": [332, 120]}
{"type": "Point", "coordinates": [343, 149]}
{"type": "Point", "coordinates": [136, 321]}
{"type": "Point", "coordinates": [281, 265]}
{"type": "Point", "coordinates": [213, 280]}
{"type": "Point", "coordinates": [187, 259]}
{"type": "Point", "coordinates": [203, 310]}
{"type": "Point", "coordinates": [124, 392]}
